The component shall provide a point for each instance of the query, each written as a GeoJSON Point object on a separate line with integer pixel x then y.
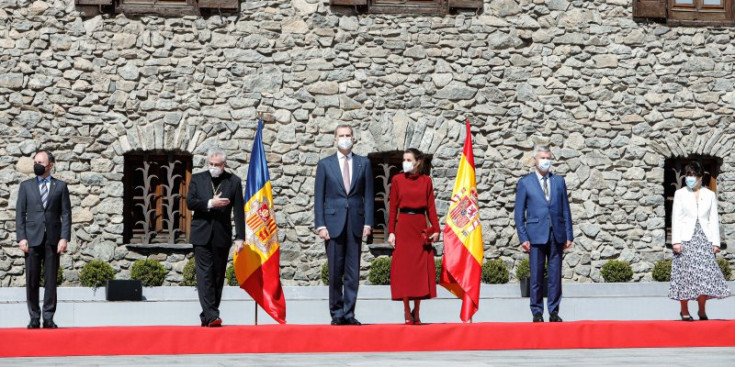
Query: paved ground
{"type": "Point", "coordinates": [670, 357]}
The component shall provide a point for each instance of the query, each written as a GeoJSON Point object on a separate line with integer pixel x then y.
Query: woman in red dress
{"type": "Point", "coordinates": [412, 273]}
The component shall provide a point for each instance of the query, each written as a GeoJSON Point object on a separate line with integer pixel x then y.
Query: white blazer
{"type": "Point", "coordinates": [686, 212]}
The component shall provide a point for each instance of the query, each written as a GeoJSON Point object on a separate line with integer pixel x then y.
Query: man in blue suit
{"type": "Point", "coordinates": [343, 213]}
{"type": "Point", "coordinates": [544, 225]}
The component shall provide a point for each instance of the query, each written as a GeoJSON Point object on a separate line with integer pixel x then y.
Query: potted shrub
{"type": "Point", "coordinates": [494, 272]}
{"type": "Point", "coordinates": [616, 271]}
{"type": "Point", "coordinates": [96, 273]}
{"type": "Point", "coordinates": [438, 269]}
{"type": "Point", "coordinates": [231, 277]}
{"type": "Point", "coordinates": [662, 271]}
{"type": "Point", "coordinates": [523, 273]}
{"type": "Point", "coordinates": [324, 275]}
{"type": "Point", "coordinates": [189, 273]}
{"type": "Point", "coordinates": [380, 271]}
{"type": "Point", "coordinates": [150, 272]}
{"type": "Point", "coordinates": [725, 267]}
{"type": "Point", "coordinates": [59, 276]}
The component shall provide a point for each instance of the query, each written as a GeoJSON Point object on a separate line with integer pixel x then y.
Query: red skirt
{"type": "Point", "coordinates": [412, 272]}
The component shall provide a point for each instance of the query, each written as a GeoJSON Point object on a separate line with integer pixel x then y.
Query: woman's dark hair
{"type": "Point", "coordinates": [418, 156]}
{"type": "Point", "coordinates": [693, 169]}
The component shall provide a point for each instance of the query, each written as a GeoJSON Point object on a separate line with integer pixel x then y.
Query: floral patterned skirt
{"type": "Point", "coordinates": [694, 272]}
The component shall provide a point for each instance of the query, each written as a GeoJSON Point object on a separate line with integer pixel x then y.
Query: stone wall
{"type": "Point", "coordinates": [613, 97]}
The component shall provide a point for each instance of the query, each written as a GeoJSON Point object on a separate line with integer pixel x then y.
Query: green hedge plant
{"type": "Point", "coordinates": [495, 272]}
{"type": "Point", "coordinates": [96, 273]}
{"type": "Point", "coordinates": [438, 268]}
{"type": "Point", "coordinates": [189, 273]}
{"type": "Point", "coordinates": [150, 272]}
{"type": "Point", "coordinates": [59, 276]}
{"type": "Point", "coordinates": [725, 267]}
{"type": "Point", "coordinates": [662, 271]}
{"type": "Point", "coordinates": [617, 271]}
{"type": "Point", "coordinates": [380, 271]}
{"type": "Point", "coordinates": [324, 274]}
{"type": "Point", "coordinates": [231, 277]}
{"type": "Point", "coordinates": [523, 271]}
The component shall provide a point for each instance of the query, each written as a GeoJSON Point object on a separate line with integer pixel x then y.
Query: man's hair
{"type": "Point", "coordinates": [216, 151]}
{"type": "Point", "coordinates": [540, 148]}
{"type": "Point", "coordinates": [51, 157]}
{"type": "Point", "coordinates": [344, 126]}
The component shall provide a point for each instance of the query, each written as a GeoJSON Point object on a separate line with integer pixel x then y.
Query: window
{"type": "Point", "coordinates": [674, 180]}
{"type": "Point", "coordinates": [385, 165]}
{"type": "Point", "coordinates": [409, 6]}
{"type": "Point", "coordinates": [687, 12]}
{"type": "Point", "coordinates": [160, 7]}
{"type": "Point", "coordinates": [155, 191]}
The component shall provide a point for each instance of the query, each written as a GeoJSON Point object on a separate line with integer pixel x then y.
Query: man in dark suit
{"type": "Point", "coordinates": [343, 213]}
{"type": "Point", "coordinates": [215, 196]}
{"type": "Point", "coordinates": [544, 225]}
{"type": "Point", "coordinates": [43, 230]}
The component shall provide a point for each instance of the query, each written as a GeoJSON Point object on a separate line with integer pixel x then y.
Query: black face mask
{"type": "Point", "coordinates": [39, 169]}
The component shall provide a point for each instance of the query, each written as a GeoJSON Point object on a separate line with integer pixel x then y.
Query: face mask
{"type": "Point", "coordinates": [691, 182]}
{"type": "Point", "coordinates": [407, 167]}
{"type": "Point", "coordinates": [544, 165]}
{"type": "Point", "coordinates": [39, 169]}
{"type": "Point", "coordinates": [215, 171]}
{"type": "Point", "coordinates": [344, 143]}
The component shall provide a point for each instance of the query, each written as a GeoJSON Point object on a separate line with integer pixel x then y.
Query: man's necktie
{"type": "Point", "coordinates": [44, 194]}
{"type": "Point", "coordinates": [546, 187]}
{"type": "Point", "coordinates": [346, 174]}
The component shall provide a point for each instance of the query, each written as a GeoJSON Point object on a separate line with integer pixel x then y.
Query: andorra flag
{"type": "Point", "coordinates": [463, 253]}
{"type": "Point", "coordinates": [257, 266]}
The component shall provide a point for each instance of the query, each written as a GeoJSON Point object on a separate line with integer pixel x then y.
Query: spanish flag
{"type": "Point", "coordinates": [463, 253]}
{"type": "Point", "coordinates": [257, 266]}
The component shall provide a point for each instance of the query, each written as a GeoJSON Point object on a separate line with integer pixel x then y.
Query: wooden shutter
{"type": "Point", "coordinates": [466, 4]}
{"type": "Point", "coordinates": [649, 9]}
{"type": "Point", "coordinates": [94, 2]}
{"type": "Point", "coordinates": [348, 2]}
{"type": "Point", "coordinates": [228, 5]}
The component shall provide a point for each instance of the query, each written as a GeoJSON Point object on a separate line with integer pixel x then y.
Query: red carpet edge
{"type": "Point", "coordinates": [172, 340]}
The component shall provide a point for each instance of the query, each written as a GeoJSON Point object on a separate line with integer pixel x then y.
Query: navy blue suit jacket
{"type": "Point", "coordinates": [534, 216]}
{"type": "Point", "coordinates": [332, 203]}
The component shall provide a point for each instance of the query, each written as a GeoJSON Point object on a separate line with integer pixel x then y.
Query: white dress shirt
{"type": "Point", "coordinates": [687, 209]}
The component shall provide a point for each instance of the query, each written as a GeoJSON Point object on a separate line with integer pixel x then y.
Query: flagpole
{"type": "Point", "coordinates": [256, 312]}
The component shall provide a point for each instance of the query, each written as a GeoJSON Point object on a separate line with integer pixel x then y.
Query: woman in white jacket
{"type": "Point", "coordinates": [695, 235]}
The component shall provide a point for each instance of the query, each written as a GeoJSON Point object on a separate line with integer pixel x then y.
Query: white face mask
{"type": "Point", "coordinates": [408, 167]}
{"type": "Point", "coordinates": [344, 143]}
{"type": "Point", "coordinates": [215, 171]}
{"type": "Point", "coordinates": [544, 165]}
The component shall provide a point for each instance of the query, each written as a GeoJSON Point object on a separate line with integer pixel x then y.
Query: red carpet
{"type": "Point", "coordinates": [157, 340]}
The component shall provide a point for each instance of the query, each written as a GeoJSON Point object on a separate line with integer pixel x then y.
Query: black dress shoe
{"type": "Point", "coordinates": [49, 324]}
{"type": "Point", "coordinates": [702, 317]}
{"type": "Point", "coordinates": [337, 321]}
{"type": "Point", "coordinates": [538, 317]}
{"type": "Point", "coordinates": [215, 323]}
{"type": "Point", "coordinates": [554, 317]}
{"type": "Point", "coordinates": [34, 324]}
{"type": "Point", "coordinates": [351, 321]}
